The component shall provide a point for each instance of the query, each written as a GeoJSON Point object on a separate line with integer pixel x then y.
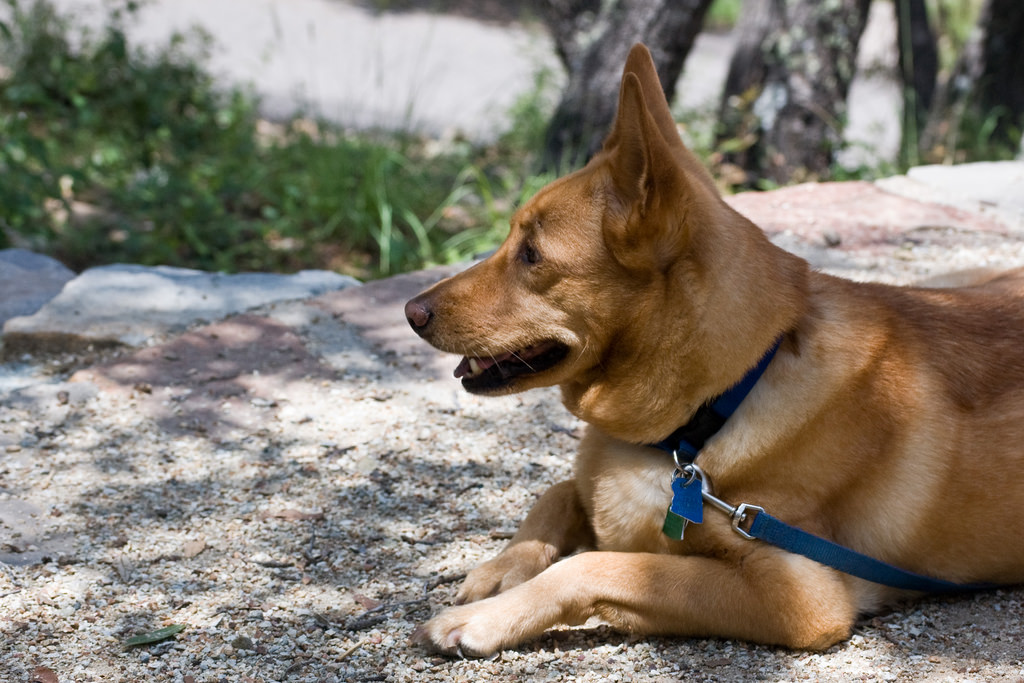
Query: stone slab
{"type": "Point", "coordinates": [130, 305]}
{"type": "Point", "coordinates": [854, 214]}
{"type": "Point", "coordinates": [996, 183]}
{"type": "Point", "coordinates": [994, 189]}
{"type": "Point", "coordinates": [27, 281]}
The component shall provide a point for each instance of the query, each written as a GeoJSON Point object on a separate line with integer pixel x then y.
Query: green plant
{"type": "Point", "coordinates": [723, 14]}
{"type": "Point", "coordinates": [953, 21]}
{"type": "Point", "coordinates": [529, 116]}
{"type": "Point", "coordinates": [976, 139]}
{"type": "Point", "coordinates": [112, 153]}
{"type": "Point", "coordinates": [103, 139]}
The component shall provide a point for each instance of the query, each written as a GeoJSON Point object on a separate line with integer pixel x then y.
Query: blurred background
{"type": "Point", "coordinates": [377, 136]}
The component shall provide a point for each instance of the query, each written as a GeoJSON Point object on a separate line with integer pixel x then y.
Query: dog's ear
{"type": "Point", "coordinates": [659, 186]}
{"type": "Point", "coordinates": [630, 144]}
{"type": "Point", "coordinates": [640, 229]}
{"type": "Point", "coordinates": [640, 63]}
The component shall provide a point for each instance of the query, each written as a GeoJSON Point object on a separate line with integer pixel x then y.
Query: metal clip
{"type": "Point", "coordinates": [680, 467]}
{"type": "Point", "coordinates": [737, 514]}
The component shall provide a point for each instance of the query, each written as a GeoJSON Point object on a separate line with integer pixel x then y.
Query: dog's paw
{"type": "Point", "coordinates": [524, 612]}
{"type": "Point", "coordinates": [466, 631]}
{"type": "Point", "coordinates": [515, 565]}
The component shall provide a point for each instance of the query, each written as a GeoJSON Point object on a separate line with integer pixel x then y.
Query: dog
{"type": "Point", "coordinates": [889, 420]}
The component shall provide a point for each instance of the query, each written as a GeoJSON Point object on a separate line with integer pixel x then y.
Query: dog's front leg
{"type": "Point", "coordinates": [555, 526]}
{"type": "Point", "coordinates": [774, 598]}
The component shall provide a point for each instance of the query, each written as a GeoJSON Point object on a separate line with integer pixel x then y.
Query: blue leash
{"type": "Point", "coordinates": [778, 533]}
{"type": "Point", "coordinates": [690, 490]}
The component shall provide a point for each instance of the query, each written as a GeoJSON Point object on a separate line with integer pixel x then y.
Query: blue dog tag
{"type": "Point", "coordinates": [687, 501]}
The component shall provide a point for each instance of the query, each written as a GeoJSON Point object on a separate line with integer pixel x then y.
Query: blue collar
{"type": "Point", "coordinates": [687, 441]}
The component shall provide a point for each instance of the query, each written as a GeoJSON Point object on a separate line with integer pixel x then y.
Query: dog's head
{"type": "Point", "coordinates": [608, 282]}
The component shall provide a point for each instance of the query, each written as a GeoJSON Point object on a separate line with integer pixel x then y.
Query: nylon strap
{"type": "Point", "coordinates": [821, 550]}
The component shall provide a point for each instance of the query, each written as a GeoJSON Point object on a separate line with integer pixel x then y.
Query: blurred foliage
{"type": "Point", "coordinates": [970, 129]}
{"type": "Point", "coordinates": [723, 14]}
{"type": "Point", "coordinates": [113, 153]}
{"type": "Point", "coordinates": [953, 21]}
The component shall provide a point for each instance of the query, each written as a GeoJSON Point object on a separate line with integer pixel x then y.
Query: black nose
{"type": "Point", "coordinates": [418, 315]}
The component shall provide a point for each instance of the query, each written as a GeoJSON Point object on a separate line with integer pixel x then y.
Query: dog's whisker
{"type": "Point", "coordinates": [522, 360]}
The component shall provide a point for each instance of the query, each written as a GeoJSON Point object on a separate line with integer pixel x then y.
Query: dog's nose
{"type": "Point", "coordinates": [418, 315]}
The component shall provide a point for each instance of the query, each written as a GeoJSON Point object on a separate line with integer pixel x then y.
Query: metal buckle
{"type": "Point", "coordinates": [739, 515]}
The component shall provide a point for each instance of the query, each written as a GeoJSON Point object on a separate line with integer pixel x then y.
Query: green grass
{"type": "Point", "coordinates": [111, 153]}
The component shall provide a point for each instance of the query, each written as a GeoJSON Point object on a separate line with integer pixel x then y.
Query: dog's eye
{"type": "Point", "coordinates": [529, 255]}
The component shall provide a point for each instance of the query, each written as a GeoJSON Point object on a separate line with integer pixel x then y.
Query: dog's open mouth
{"type": "Point", "coordinates": [481, 373]}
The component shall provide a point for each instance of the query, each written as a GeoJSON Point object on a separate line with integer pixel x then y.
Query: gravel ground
{"type": "Point", "coordinates": [300, 517]}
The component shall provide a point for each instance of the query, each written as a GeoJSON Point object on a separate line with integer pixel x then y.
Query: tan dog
{"type": "Point", "coordinates": [891, 420]}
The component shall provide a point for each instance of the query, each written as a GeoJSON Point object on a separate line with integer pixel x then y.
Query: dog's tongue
{"type": "Point", "coordinates": [463, 368]}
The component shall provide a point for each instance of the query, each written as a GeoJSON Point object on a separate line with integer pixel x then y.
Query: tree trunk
{"type": "Point", "coordinates": [785, 99]}
{"type": "Point", "coordinates": [1002, 79]}
{"type": "Point", "coordinates": [592, 38]}
{"type": "Point", "coordinates": [979, 111]}
{"type": "Point", "coordinates": [739, 128]}
{"type": "Point", "coordinates": [919, 68]}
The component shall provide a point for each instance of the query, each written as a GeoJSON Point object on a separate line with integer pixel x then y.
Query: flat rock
{"type": "Point", "coordinates": [990, 188]}
{"type": "Point", "coordinates": [854, 214]}
{"type": "Point", "coordinates": [27, 281]}
{"type": "Point", "coordinates": [129, 305]}
{"type": "Point", "coordinates": [219, 376]}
